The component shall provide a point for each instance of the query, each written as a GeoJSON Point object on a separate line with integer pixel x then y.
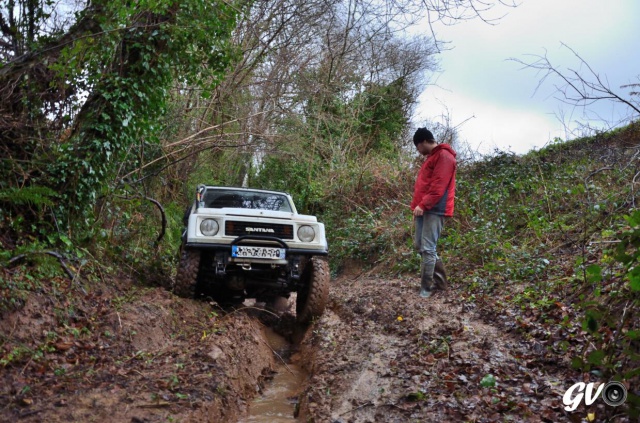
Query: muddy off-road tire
{"type": "Point", "coordinates": [187, 276]}
{"type": "Point", "coordinates": [440, 276]}
{"type": "Point", "coordinates": [312, 299]}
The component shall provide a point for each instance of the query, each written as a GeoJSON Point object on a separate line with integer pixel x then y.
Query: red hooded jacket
{"type": "Point", "coordinates": [435, 186]}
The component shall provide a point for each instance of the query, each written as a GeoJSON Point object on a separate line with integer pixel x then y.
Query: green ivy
{"type": "Point", "coordinates": [125, 61]}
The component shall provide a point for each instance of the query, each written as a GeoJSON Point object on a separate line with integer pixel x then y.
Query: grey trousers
{"type": "Point", "coordinates": [428, 228]}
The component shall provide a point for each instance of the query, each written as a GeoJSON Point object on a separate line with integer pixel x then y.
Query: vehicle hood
{"type": "Point", "coordinates": [230, 212]}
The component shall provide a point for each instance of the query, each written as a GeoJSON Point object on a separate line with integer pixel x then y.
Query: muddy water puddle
{"type": "Point", "coordinates": [279, 397]}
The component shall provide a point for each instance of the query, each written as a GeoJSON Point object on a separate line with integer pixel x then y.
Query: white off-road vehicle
{"type": "Point", "coordinates": [243, 243]}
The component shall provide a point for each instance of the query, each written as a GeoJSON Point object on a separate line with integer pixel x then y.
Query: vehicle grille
{"type": "Point", "coordinates": [235, 228]}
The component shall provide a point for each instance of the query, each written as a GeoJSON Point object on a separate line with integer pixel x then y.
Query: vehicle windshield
{"type": "Point", "coordinates": [220, 198]}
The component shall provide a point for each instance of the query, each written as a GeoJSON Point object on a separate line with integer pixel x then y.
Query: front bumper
{"type": "Point", "coordinates": [227, 247]}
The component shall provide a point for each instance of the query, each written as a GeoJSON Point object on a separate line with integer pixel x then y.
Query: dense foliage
{"type": "Point", "coordinates": [83, 92]}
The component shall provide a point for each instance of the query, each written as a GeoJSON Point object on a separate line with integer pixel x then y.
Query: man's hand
{"type": "Point", "coordinates": [418, 211]}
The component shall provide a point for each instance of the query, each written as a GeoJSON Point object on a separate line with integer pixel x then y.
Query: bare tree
{"type": "Point", "coordinates": [446, 132]}
{"type": "Point", "coordinates": [295, 52]}
{"type": "Point", "coordinates": [298, 54]}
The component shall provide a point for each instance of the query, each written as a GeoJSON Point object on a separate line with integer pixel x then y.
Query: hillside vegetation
{"type": "Point", "coordinates": [547, 244]}
{"type": "Point", "coordinates": [544, 245]}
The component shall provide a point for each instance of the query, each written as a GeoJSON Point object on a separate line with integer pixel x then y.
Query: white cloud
{"type": "Point", "coordinates": [488, 126]}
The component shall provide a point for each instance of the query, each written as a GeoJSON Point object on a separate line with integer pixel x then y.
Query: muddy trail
{"type": "Point", "coordinates": [128, 353]}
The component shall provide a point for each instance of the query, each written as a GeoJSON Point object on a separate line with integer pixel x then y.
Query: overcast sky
{"type": "Point", "coordinates": [478, 81]}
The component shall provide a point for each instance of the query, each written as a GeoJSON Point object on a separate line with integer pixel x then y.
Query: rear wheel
{"type": "Point", "coordinates": [187, 276]}
{"type": "Point", "coordinates": [312, 298]}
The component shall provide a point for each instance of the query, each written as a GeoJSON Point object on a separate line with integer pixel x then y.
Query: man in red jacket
{"type": "Point", "coordinates": [433, 200]}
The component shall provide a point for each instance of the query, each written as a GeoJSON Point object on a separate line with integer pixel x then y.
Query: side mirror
{"type": "Point", "coordinates": [200, 196]}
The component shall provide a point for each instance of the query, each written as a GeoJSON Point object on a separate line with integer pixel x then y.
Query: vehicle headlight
{"type": "Point", "coordinates": [306, 233]}
{"type": "Point", "coordinates": [209, 227]}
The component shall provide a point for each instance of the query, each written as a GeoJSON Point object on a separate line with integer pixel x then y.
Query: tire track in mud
{"type": "Point", "coordinates": [381, 353]}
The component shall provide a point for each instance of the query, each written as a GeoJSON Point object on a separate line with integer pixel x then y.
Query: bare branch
{"type": "Point", "coordinates": [55, 254]}
{"type": "Point", "coordinates": [580, 87]}
{"type": "Point", "coordinates": [163, 227]}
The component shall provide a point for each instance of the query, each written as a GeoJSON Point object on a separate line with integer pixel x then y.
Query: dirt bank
{"type": "Point", "coordinates": [125, 353]}
{"type": "Point", "coordinates": [122, 352]}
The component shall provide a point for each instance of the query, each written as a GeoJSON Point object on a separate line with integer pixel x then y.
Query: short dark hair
{"type": "Point", "coordinates": [422, 134]}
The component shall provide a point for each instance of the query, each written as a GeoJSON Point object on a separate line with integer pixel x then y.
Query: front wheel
{"type": "Point", "coordinates": [187, 276]}
{"type": "Point", "coordinates": [312, 298]}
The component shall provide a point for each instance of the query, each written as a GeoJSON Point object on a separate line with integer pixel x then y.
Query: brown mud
{"type": "Point", "coordinates": [128, 353]}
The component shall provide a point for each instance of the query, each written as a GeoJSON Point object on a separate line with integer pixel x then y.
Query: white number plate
{"type": "Point", "coordinates": [257, 252]}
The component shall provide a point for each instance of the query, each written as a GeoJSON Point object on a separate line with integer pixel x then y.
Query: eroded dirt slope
{"type": "Point", "coordinates": [128, 354]}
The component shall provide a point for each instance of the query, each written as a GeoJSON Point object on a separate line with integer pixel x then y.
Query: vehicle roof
{"type": "Point", "coordinates": [247, 189]}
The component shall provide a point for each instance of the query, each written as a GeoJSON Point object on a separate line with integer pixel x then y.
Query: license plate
{"type": "Point", "coordinates": [257, 252]}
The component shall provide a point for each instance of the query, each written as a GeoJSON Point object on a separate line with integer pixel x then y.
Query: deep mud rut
{"type": "Point", "coordinates": [379, 354]}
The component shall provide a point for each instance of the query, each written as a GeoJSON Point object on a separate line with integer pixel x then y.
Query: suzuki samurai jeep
{"type": "Point", "coordinates": [246, 243]}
